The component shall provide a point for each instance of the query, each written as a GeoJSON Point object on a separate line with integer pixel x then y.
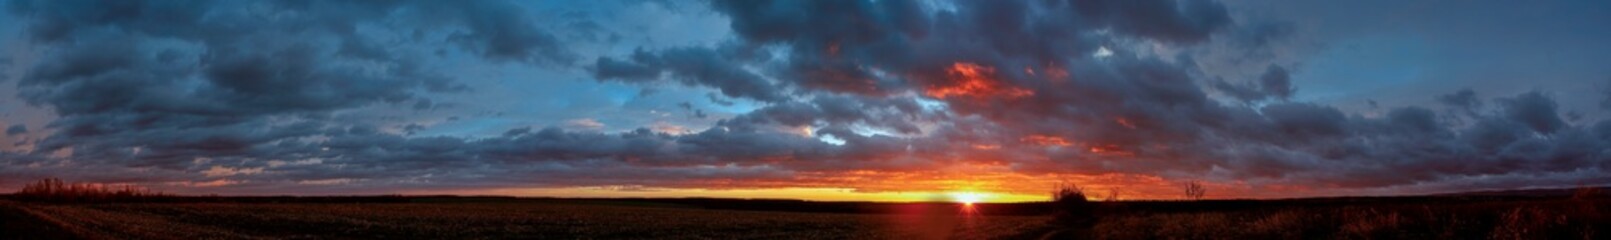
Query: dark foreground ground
{"type": "Point", "coordinates": [1443, 217]}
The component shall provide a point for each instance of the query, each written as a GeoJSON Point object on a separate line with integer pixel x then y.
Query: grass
{"type": "Point", "coordinates": [504, 218]}
{"type": "Point", "coordinates": [498, 220]}
{"type": "Point", "coordinates": [52, 210]}
{"type": "Point", "coordinates": [1486, 219]}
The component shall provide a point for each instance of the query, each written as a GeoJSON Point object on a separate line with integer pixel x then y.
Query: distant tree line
{"type": "Point", "coordinates": [56, 190]}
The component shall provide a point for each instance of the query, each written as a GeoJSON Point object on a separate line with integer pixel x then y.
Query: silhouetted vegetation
{"type": "Point", "coordinates": [1194, 190]}
{"type": "Point", "coordinates": [56, 190]}
{"type": "Point", "coordinates": [1072, 208]}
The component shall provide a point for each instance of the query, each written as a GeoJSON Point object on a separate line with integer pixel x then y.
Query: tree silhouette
{"type": "Point", "coordinates": [1194, 190]}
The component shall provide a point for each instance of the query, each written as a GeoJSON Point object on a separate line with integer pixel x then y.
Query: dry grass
{"type": "Point", "coordinates": [1485, 219]}
{"type": "Point", "coordinates": [502, 221]}
{"type": "Point", "coordinates": [1530, 219]}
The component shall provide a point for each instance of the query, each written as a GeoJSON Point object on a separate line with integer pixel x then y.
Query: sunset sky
{"type": "Point", "coordinates": [880, 100]}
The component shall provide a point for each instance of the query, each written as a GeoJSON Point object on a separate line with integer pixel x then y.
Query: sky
{"type": "Point", "coordinates": [843, 100]}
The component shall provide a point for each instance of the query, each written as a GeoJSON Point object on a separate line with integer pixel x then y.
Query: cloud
{"type": "Point", "coordinates": [16, 129]}
{"type": "Point", "coordinates": [1178, 21]}
{"type": "Point", "coordinates": [1534, 110]}
{"type": "Point", "coordinates": [1274, 83]}
{"type": "Point", "coordinates": [722, 70]}
{"type": "Point", "coordinates": [501, 31]}
{"type": "Point", "coordinates": [221, 171]}
{"type": "Point", "coordinates": [1464, 100]}
{"type": "Point", "coordinates": [1277, 83]}
{"type": "Point", "coordinates": [584, 123]}
{"type": "Point", "coordinates": [241, 85]}
{"type": "Point", "coordinates": [1606, 90]}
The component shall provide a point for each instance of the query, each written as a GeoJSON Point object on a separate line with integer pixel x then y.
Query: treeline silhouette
{"type": "Point", "coordinates": [56, 190]}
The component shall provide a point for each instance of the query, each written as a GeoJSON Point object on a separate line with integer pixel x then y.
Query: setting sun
{"type": "Point", "coordinates": [968, 198]}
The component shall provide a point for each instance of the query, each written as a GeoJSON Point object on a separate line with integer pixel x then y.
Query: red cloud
{"type": "Point", "coordinates": [966, 79]}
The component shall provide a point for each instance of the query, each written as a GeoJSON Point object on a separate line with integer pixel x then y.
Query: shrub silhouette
{"type": "Point", "coordinates": [56, 190]}
{"type": "Point", "coordinates": [1073, 209]}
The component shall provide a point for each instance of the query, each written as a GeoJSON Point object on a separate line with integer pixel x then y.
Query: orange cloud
{"type": "Point", "coordinates": [1111, 150]}
{"type": "Point", "coordinates": [1124, 122]}
{"type": "Point", "coordinates": [971, 80]}
{"type": "Point", "coordinates": [1046, 140]}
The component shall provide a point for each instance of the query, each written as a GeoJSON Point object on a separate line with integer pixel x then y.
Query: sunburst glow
{"type": "Point", "coordinates": [968, 198]}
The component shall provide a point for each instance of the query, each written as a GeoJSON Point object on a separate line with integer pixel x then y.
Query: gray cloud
{"type": "Point", "coordinates": [16, 129]}
{"type": "Point", "coordinates": [1163, 20]}
{"type": "Point", "coordinates": [722, 70]}
{"type": "Point", "coordinates": [1534, 110]}
{"type": "Point", "coordinates": [1606, 90]}
{"type": "Point", "coordinates": [1275, 83]}
{"type": "Point", "coordinates": [1465, 100]}
{"type": "Point", "coordinates": [212, 81]}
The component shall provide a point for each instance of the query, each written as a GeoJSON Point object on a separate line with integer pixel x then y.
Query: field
{"type": "Point", "coordinates": [490, 220]}
{"type": "Point", "coordinates": [1444, 217]}
{"type": "Point", "coordinates": [1431, 218]}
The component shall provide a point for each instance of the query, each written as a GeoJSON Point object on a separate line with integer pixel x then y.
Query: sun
{"type": "Point", "coordinates": [968, 198]}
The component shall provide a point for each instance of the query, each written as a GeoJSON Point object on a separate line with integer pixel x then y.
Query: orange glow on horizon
{"type": "Point", "coordinates": [968, 198]}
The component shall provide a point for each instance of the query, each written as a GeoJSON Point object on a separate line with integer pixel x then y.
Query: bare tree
{"type": "Point", "coordinates": [1113, 195]}
{"type": "Point", "coordinates": [1194, 190]}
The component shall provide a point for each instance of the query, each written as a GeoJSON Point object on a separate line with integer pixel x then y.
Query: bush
{"type": "Point", "coordinates": [1073, 209]}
